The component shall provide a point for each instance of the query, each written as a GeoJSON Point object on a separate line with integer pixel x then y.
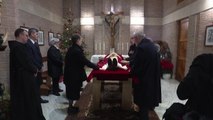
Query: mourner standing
{"type": "Point", "coordinates": [146, 68]}
{"type": "Point", "coordinates": [74, 72]}
{"type": "Point", "coordinates": [55, 65]}
{"type": "Point", "coordinates": [24, 97]}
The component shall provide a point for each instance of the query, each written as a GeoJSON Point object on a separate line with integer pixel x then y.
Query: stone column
{"type": "Point", "coordinates": [87, 31]}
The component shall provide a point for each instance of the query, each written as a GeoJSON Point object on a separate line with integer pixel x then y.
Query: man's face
{"type": "Point", "coordinates": [58, 44]}
{"type": "Point", "coordinates": [132, 40]}
{"type": "Point", "coordinates": [24, 37]}
{"type": "Point", "coordinates": [79, 42]}
{"type": "Point", "coordinates": [34, 36]}
{"type": "Point", "coordinates": [137, 40]}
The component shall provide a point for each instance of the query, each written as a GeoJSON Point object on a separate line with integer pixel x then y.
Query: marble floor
{"type": "Point", "coordinates": [57, 106]}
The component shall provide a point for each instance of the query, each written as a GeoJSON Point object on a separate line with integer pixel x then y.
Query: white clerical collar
{"type": "Point", "coordinates": [56, 47]}
{"type": "Point", "coordinates": [32, 41]}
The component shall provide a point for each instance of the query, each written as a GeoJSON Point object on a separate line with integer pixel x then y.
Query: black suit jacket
{"type": "Point", "coordinates": [54, 62]}
{"type": "Point", "coordinates": [35, 53]}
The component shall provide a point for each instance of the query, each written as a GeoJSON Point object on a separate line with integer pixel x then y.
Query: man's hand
{"type": "Point", "coordinates": [35, 74]}
{"type": "Point", "coordinates": [124, 61]}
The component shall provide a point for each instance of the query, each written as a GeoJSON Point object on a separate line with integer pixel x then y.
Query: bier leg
{"type": "Point", "coordinates": [96, 93]}
{"type": "Point", "coordinates": [126, 94]}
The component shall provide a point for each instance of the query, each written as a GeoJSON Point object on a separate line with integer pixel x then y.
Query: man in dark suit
{"type": "Point", "coordinates": [55, 64]}
{"type": "Point", "coordinates": [146, 67]}
{"type": "Point", "coordinates": [24, 98]}
{"type": "Point", "coordinates": [35, 53]}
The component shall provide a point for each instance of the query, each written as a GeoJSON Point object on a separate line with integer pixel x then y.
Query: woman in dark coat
{"type": "Point", "coordinates": [74, 72]}
{"type": "Point", "coordinates": [24, 96]}
{"type": "Point", "coordinates": [197, 86]}
{"type": "Point", "coordinates": [55, 64]}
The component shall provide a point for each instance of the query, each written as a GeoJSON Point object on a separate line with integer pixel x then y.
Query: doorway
{"type": "Point", "coordinates": [181, 49]}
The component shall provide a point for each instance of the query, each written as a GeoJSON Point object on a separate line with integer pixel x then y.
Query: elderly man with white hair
{"type": "Point", "coordinates": [146, 67]}
{"type": "Point", "coordinates": [55, 64]}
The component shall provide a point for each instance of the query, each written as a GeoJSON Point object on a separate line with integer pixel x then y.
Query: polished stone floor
{"type": "Point", "coordinates": [57, 106]}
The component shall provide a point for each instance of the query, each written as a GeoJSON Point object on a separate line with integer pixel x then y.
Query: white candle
{"type": "Point", "coordinates": [112, 9]}
{"type": "Point", "coordinates": [122, 47]}
{"type": "Point", "coordinates": [95, 46]}
{"type": "Point", "coordinates": [104, 46]}
{"type": "Point", "coordinates": [127, 46]}
{"type": "Point", "coordinates": [118, 46]}
{"type": "Point", "coordinates": [100, 46]}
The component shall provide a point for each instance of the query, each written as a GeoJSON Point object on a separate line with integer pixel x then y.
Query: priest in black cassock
{"type": "Point", "coordinates": [146, 67]}
{"type": "Point", "coordinates": [25, 103]}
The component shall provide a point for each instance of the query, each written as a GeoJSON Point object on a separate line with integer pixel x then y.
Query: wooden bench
{"type": "Point", "coordinates": [46, 85]}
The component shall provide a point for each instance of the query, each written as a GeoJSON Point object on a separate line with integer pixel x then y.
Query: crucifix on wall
{"type": "Point", "coordinates": [112, 20]}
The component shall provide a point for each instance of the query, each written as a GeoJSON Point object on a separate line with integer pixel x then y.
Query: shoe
{"type": "Point", "coordinates": [109, 62]}
{"type": "Point", "coordinates": [72, 110]}
{"type": "Point", "coordinates": [60, 90]}
{"type": "Point", "coordinates": [113, 67]}
{"type": "Point", "coordinates": [114, 62]}
{"type": "Point", "coordinates": [56, 93]}
{"type": "Point", "coordinates": [43, 101]}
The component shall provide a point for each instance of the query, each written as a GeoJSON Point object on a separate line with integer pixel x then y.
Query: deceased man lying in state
{"type": "Point", "coordinates": [113, 62]}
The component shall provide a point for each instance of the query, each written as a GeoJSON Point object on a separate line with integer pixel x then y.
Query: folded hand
{"type": "Point", "coordinates": [124, 61]}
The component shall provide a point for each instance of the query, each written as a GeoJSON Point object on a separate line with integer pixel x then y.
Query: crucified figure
{"type": "Point", "coordinates": [112, 19]}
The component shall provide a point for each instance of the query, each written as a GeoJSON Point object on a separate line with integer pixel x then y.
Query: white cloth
{"type": "Point", "coordinates": [119, 66]}
{"type": "Point", "coordinates": [95, 58]}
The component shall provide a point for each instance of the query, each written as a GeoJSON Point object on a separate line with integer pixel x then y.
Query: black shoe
{"type": "Point", "coordinates": [56, 93]}
{"type": "Point", "coordinates": [114, 62]}
{"type": "Point", "coordinates": [43, 101]}
{"type": "Point", "coordinates": [109, 62]}
{"type": "Point", "coordinates": [72, 110]}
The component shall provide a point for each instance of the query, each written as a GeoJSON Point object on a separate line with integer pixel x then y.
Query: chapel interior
{"type": "Point", "coordinates": [178, 26]}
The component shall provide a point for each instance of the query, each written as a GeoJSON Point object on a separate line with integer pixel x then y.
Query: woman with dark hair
{"type": "Point", "coordinates": [197, 88]}
{"type": "Point", "coordinates": [74, 72]}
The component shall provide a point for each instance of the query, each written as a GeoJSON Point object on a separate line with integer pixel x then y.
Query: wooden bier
{"type": "Point", "coordinates": [126, 101]}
